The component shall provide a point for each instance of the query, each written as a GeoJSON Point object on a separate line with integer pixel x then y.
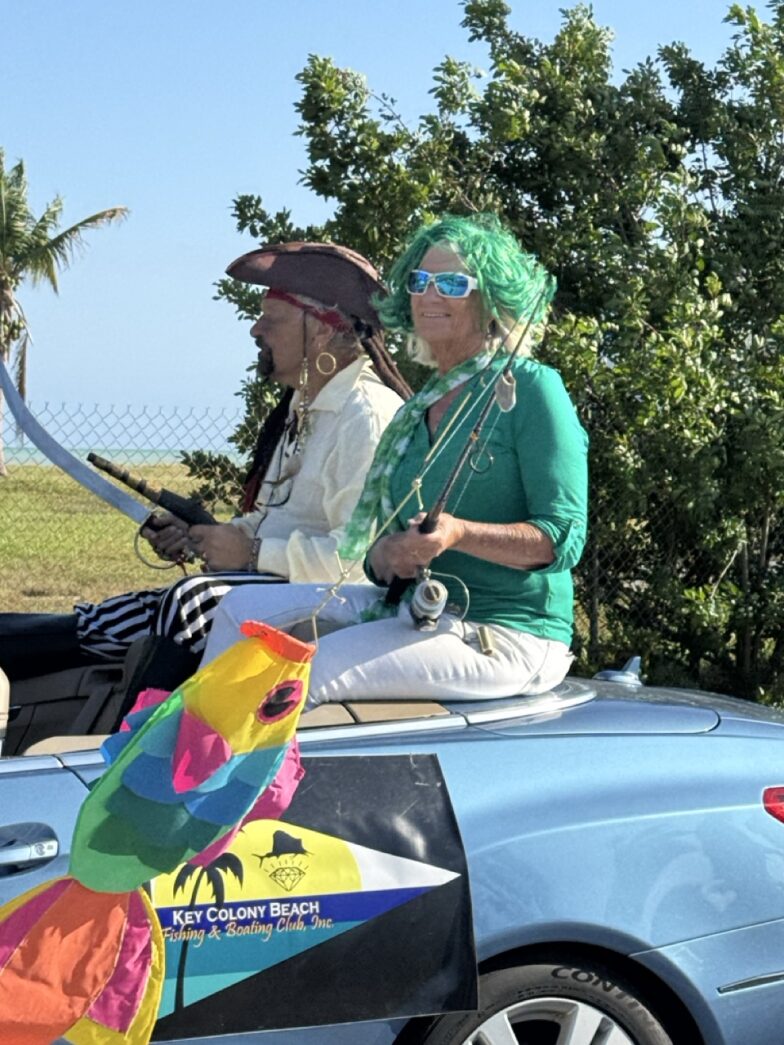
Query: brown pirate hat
{"type": "Point", "coordinates": [326, 272]}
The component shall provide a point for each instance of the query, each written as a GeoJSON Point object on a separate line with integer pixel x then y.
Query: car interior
{"type": "Point", "coordinates": [76, 709]}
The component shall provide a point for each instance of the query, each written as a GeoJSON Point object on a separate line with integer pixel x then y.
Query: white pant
{"type": "Point", "coordinates": [389, 659]}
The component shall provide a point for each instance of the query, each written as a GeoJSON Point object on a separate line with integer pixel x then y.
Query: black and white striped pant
{"type": "Point", "coordinates": [182, 612]}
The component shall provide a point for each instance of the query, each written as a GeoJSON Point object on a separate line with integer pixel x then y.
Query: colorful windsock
{"type": "Point", "coordinates": [82, 957]}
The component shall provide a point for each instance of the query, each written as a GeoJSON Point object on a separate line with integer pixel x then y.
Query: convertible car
{"type": "Point", "coordinates": [601, 865]}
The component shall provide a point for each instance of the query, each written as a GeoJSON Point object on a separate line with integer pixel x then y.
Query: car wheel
{"type": "Point", "coordinates": [550, 1004]}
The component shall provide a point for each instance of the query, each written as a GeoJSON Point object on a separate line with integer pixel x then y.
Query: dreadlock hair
{"type": "Point", "coordinates": [363, 335]}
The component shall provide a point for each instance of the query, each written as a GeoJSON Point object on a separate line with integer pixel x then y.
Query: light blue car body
{"type": "Point", "coordinates": [610, 820]}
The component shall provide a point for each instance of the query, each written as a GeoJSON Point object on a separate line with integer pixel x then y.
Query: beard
{"type": "Point", "coordinates": [265, 364]}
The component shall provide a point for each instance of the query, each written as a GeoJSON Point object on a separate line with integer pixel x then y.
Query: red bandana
{"type": "Point", "coordinates": [330, 316]}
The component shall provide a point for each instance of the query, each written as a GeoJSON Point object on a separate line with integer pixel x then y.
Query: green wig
{"type": "Point", "coordinates": [512, 283]}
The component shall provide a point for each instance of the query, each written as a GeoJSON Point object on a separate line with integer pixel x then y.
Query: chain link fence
{"type": "Point", "coordinates": [60, 544]}
{"type": "Point", "coordinates": [641, 587]}
{"type": "Point", "coordinates": [138, 435]}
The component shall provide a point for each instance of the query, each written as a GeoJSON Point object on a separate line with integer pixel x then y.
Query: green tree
{"type": "Point", "coordinates": [734, 119]}
{"type": "Point", "coordinates": [32, 249]}
{"type": "Point", "coordinates": [655, 200]}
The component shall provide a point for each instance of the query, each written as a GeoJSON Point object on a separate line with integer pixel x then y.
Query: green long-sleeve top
{"type": "Point", "coordinates": [530, 466]}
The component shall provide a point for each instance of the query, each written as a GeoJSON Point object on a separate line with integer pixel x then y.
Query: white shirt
{"type": "Point", "coordinates": [301, 521]}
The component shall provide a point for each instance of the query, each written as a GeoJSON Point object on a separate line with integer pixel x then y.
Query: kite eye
{"type": "Point", "coordinates": [280, 701]}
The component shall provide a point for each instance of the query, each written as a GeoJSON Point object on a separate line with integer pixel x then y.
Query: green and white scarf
{"type": "Point", "coordinates": [376, 500]}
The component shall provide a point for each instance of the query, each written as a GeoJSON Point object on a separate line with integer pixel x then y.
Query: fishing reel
{"type": "Point", "coordinates": [428, 602]}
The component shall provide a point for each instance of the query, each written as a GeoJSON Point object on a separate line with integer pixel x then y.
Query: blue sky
{"type": "Point", "coordinates": [172, 107]}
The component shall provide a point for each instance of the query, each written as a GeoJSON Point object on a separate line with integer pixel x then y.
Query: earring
{"type": "Point", "coordinates": [303, 407]}
{"type": "Point", "coordinates": [326, 364]}
{"type": "Point", "coordinates": [302, 410]}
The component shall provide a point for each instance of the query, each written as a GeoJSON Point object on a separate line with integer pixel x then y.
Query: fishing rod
{"type": "Point", "coordinates": [429, 597]}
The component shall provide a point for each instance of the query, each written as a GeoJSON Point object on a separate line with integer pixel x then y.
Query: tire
{"type": "Point", "coordinates": [549, 1004]}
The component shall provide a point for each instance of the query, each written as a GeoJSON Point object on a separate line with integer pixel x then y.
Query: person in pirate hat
{"type": "Point", "coordinates": [492, 449]}
{"type": "Point", "coordinates": [319, 338]}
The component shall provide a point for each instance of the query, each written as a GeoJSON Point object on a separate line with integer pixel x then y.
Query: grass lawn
{"type": "Point", "coordinates": [59, 543]}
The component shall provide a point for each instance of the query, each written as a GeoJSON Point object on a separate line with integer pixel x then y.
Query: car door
{"type": "Point", "coordinates": [39, 803]}
{"type": "Point", "coordinates": [40, 797]}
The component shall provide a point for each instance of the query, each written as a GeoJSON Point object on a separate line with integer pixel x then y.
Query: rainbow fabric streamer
{"type": "Point", "coordinates": [81, 957]}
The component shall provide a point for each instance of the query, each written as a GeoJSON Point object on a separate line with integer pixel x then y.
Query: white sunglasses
{"type": "Point", "coordinates": [447, 284]}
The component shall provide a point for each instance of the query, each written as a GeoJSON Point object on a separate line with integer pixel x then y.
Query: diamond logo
{"type": "Point", "coordinates": [287, 878]}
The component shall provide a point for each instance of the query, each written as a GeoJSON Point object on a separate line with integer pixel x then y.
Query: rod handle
{"type": "Point", "coordinates": [399, 585]}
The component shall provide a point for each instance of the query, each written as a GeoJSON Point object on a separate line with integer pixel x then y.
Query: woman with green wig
{"type": "Point", "coordinates": [513, 525]}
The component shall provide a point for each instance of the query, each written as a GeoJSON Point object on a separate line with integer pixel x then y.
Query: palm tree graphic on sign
{"type": "Point", "coordinates": [211, 875]}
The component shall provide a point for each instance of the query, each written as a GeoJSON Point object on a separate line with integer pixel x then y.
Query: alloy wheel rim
{"type": "Point", "coordinates": [578, 1023]}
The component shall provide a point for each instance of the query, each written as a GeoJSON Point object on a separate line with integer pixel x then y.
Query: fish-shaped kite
{"type": "Point", "coordinates": [81, 957]}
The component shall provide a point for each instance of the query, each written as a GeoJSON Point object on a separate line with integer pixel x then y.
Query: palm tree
{"type": "Point", "coordinates": [212, 876]}
{"type": "Point", "coordinates": [31, 249]}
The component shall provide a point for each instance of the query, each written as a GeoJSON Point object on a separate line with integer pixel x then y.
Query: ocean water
{"type": "Point", "coordinates": [125, 435]}
{"type": "Point", "coordinates": [126, 457]}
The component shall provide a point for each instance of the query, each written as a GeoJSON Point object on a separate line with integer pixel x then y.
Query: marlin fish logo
{"type": "Point", "coordinates": [289, 860]}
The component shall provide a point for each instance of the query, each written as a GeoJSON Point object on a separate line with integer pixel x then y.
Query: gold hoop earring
{"type": "Point", "coordinates": [326, 364]}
